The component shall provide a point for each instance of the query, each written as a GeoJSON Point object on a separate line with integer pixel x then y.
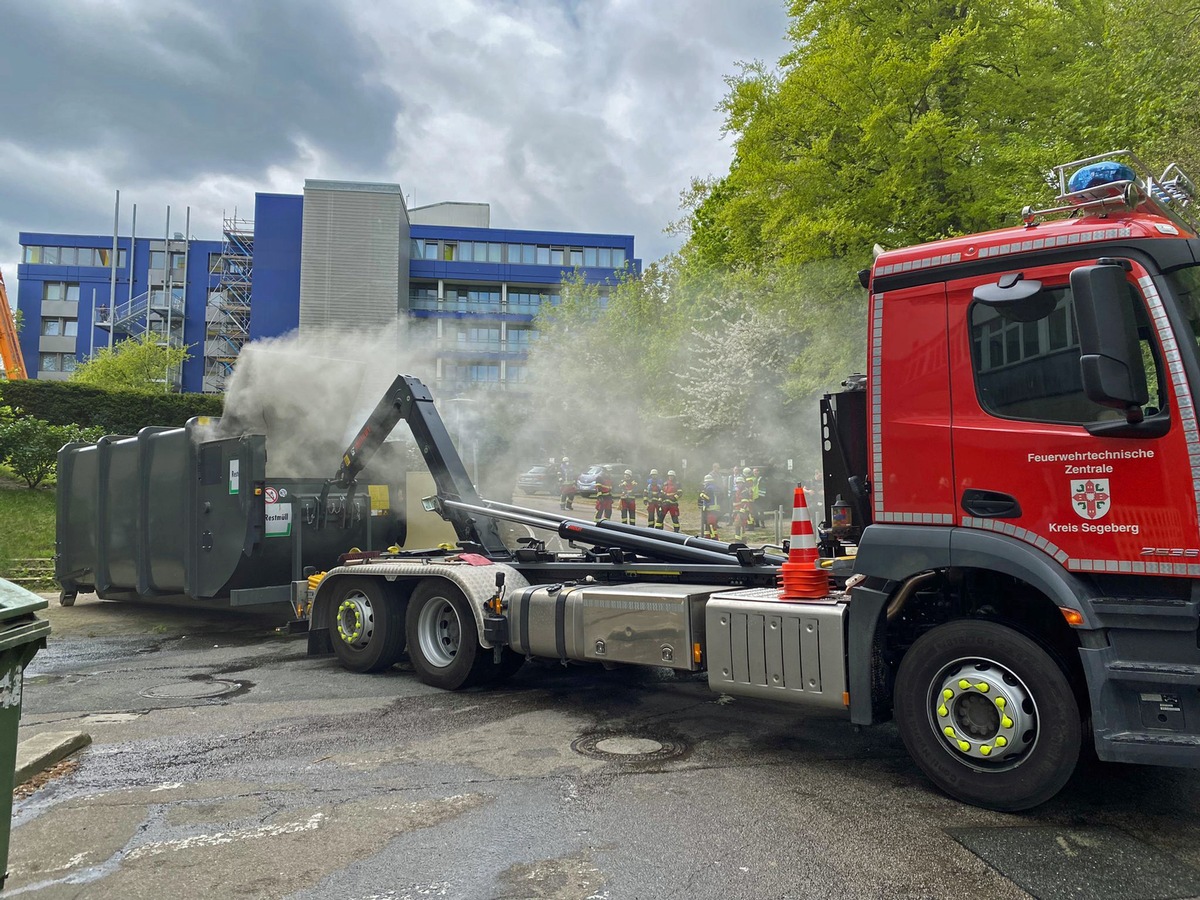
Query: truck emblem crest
{"type": "Point", "coordinates": [1090, 498]}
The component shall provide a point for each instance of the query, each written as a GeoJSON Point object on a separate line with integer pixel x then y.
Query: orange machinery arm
{"type": "Point", "coordinates": [11, 360]}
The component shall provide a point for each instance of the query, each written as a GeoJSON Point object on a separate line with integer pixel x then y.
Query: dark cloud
{"type": "Point", "coordinates": [168, 87]}
{"type": "Point", "coordinates": [587, 116]}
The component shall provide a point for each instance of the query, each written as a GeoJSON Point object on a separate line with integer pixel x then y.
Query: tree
{"type": "Point", "coordinates": [899, 123]}
{"type": "Point", "coordinates": [30, 446]}
{"type": "Point", "coordinates": [137, 363]}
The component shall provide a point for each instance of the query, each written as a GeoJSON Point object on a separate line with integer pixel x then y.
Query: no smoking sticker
{"type": "Point", "coordinates": [271, 495]}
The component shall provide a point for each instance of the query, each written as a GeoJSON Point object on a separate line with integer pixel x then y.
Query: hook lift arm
{"type": "Point", "coordinates": [409, 399]}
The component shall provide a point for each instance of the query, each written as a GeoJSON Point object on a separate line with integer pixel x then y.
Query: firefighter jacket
{"type": "Point", "coordinates": [628, 489]}
{"type": "Point", "coordinates": [604, 487]}
{"type": "Point", "coordinates": [654, 492]}
{"type": "Point", "coordinates": [670, 491]}
{"type": "Point", "coordinates": [708, 497]}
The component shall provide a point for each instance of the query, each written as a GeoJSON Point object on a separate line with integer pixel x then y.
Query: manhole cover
{"type": "Point", "coordinates": [191, 690]}
{"type": "Point", "coordinates": [628, 747]}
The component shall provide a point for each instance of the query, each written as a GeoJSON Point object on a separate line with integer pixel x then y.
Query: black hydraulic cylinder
{"type": "Point", "coordinates": [655, 534]}
{"type": "Point", "coordinates": [576, 530]}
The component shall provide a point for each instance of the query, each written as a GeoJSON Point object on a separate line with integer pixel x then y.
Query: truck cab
{"type": "Point", "coordinates": [1033, 490]}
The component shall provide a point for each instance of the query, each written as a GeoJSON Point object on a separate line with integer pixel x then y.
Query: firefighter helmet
{"type": "Point", "coordinates": [629, 471]}
{"type": "Point", "coordinates": [746, 472]}
{"type": "Point", "coordinates": [710, 478]}
{"type": "Point", "coordinates": [654, 471]}
{"type": "Point", "coordinates": [670, 473]}
{"type": "Point", "coordinates": [565, 459]}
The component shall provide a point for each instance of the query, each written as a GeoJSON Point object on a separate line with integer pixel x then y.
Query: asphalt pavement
{"type": "Point", "coordinates": [227, 763]}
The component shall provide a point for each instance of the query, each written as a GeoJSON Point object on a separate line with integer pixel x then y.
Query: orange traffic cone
{"type": "Point", "coordinates": [799, 577]}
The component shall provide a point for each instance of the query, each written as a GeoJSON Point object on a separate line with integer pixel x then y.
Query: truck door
{"type": "Point", "coordinates": [1026, 464]}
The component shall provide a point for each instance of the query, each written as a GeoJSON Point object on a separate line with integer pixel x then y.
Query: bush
{"type": "Point", "coordinates": [30, 446]}
{"type": "Point", "coordinates": [113, 412]}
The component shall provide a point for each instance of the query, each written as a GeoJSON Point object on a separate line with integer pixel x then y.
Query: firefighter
{"type": "Point", "coordinates": [758, 498]}
{"type": "Point", "coordinates": [710, 507]}
{"type": "Point", "coordinates": [566, 484]}
{"type": "Point", "coordinates": [604, 495]}
{"type": "Point", "coordinates": [653, 496]}
{"type": "Point", "coordinates": [741, 505]}
{"type": "Point", "coordinates": [627, 491]}
{"type": "Point", "coordinates": [670, 502]}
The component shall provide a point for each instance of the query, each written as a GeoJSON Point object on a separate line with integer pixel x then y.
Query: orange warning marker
{"type": "Point", "coordinates": [799, 577]}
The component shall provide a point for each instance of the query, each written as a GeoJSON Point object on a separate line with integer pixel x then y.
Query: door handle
{"type": "Point", "coordinates": [990, 504]}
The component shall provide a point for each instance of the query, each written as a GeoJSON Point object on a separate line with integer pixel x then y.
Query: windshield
{"type": "Point", "coordinates": [1185, 285]}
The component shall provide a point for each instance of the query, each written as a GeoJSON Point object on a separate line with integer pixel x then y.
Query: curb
{"type": "Point", "coordinates": [38, 753]}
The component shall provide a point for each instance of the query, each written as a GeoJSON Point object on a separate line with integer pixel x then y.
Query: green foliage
{"type": "Point", "coordinates": [30, 446]}
{"type": "Point", "coordinates": [26, 527]}
{"type": "Point", "coordinates": [134, 364]}
{"type": "Point", "coordinates": [116, 412]}
{"type": "Point", "coordinates": [901, 123]}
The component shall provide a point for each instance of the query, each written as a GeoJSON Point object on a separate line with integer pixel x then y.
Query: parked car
{"type": "Point", "coordinates": [538, 480]}
{"type": "Point", "coordinates": [585, 484]}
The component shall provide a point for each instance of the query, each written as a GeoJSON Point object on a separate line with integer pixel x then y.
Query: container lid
{"type": "Point", "coordinates": [15, 601]}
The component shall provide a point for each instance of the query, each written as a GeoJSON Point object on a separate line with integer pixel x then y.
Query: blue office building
{"type": "Point", "coordinates": [343, 255]}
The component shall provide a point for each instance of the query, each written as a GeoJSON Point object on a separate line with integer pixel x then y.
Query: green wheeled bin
{"type": "Point", "coordinates": [22, 634]}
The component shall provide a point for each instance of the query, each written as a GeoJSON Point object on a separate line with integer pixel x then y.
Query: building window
{"type": "Point", "coordinates": [158, 259]}
{"type": "Point", "coordinates": [589, 256]}
{"type": "Point", "coordinates": [515, 374]}
{"type": "Point", "coordinates": [423, 296]}
{"type": "Point", "coordinates": [177, 260]}
{"type": "Point", "coordinates": [56, 362]}
{"type": "Point", "coordinates": [449, 251]}
{"type": "Point", "coordinates": [86, 257]}
{"type": "Point", "coordinates": [56, 327]}
{"type": "Point", "coordinates": [60, 290]}
{"type": "Point", "coordinates": [465, 298]}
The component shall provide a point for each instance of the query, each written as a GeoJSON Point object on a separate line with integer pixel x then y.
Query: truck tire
{"type": "Point", "coordinates": [443, 640]}
{"type": "Point", "coordinates": [988, 715]}
{"type": "Point", "coordinates": [366, 625]}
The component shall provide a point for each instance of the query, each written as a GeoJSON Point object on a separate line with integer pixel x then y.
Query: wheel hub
{"type": "Point", "coordinates": [439, 632]}
{"type": "Point", "coordinates": [983, 711]}
{"type": "Point", "coordinates": [356, 620]}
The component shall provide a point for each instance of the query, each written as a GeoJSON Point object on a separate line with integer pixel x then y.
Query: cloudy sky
{"type": "Point", "coordinates": [581, 115]}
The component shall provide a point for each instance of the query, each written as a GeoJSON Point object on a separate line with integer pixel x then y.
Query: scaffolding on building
{"type": "Point", "coordinates": [227, 314]}
{"type": "Point", "coordinates": [158, 313]}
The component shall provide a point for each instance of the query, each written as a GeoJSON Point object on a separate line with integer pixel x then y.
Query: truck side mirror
{"type": "Point", "coordinates": [1016, 299]}
{"type": "Point", "coordinates": [1110, 360]}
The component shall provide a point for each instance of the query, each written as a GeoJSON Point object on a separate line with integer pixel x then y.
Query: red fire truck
{"type": "Point", "coordinates": [1020, 467]}
{"type": "Point", "coordinates": [1018, 473]}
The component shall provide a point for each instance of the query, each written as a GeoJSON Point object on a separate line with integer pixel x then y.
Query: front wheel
{"type": "Point", "coordinates": [366, 625]}
{"type": "Point", "coordinates": [988, 715]}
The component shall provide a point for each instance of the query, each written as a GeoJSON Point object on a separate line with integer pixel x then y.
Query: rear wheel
{"type": "Point", "coordinates": [443, 640]}
{"type": "Point", "coordinates": [366, 625]}
{"type": "Point", "coordinates": [988, 715]}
